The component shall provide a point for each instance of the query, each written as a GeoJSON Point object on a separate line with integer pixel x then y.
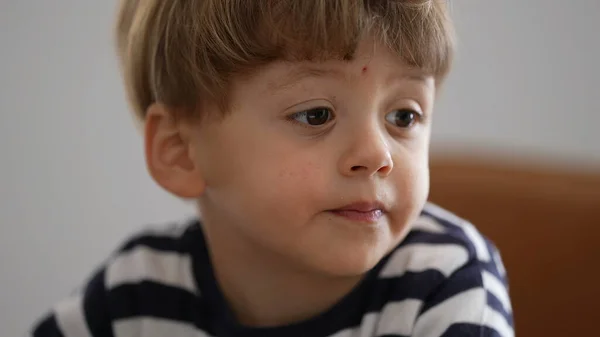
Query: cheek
{"type": "Point", "coordinates": [297, 179]}
{"type": "Point", "coordinates": [412, 185]}
{"type": "Point", "coordinates": [267, 176]}
{"type": "Point", "coordinates": [295, 171]}
{"type": "Point", "coordinates": [281, 196]}
{"type": "Point", "coordinates": [421, 188]}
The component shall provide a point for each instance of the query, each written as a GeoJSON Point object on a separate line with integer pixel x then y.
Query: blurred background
{"type": "Point", "coordinates": [516, 150]}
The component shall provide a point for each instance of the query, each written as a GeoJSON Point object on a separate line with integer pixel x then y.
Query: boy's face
{"type": "Point", "coordinates": [323, 164]}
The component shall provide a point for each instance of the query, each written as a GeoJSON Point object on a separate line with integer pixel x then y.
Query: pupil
{"type": "Point", "coordinates": [405, 118]}
{"type": "Point", "coordinates": [317, 116]}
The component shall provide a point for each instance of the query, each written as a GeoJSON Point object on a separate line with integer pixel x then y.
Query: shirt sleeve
{"type": "Point", "coordinates": [473, 301]}
{"type": "Point", "coordinates": [83, 314]}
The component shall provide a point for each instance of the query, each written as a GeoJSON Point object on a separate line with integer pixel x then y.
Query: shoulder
{"type": "Point", "coordinates": [155, 260]}
{"type": "Point", "coordinates": [441, 241]}
{"type": "Point", "coordinates": [159, 254]}
{"type": "Point", "coordinates": [463, 233]}
{"type": "Point", "coordinates": [456, 278]}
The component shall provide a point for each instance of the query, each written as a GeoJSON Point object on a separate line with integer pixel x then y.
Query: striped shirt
{"type": "Point", "coordinates": [443, 279]}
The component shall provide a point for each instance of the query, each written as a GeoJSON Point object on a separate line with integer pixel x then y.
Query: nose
{"type": "Point", "coordinates": [367, 154]}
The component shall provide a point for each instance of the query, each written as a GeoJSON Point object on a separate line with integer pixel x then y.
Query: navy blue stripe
{"type": "Point", "coordinates": [463, 330]}
{"type": "Point", "coordinates": [150, 299]}
{"type": "Point", "coordinates": [163, 242]}
{"type": "Point", "coordinates": [462, 280]}
{"type": "Point", "coordinates": [449, 226]}
{"type": "Point", "coordinates": [419, 236]}
{"type": "Point", "coordinates": [495, 304]}
{"type": "Point", "coordinates": [411, 285]}
{"type": "Point", "coordinates": [493, 301]}
{"type": "Point", "coordinates": [373, 297]}
{"type": "Point", "coordinates": [470, 330]}
{"type": "Point", "coordinates": [456, 231]}
{"type": "Point", "coordinates": [159, 243]}
{"type": "Point", "coordinates": [452, 236]}
{"type": "Point", "coordinates": [493, 267]}
{"type": "Point", "coordinates": [47, 327]}
{"type": "Point", "coordinates": [455, 234]}
{"type": "Point", "coordinates": [96, 307]}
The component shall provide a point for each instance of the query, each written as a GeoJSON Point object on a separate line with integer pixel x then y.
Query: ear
{"type": "Point", "coordinates": [168, 154]}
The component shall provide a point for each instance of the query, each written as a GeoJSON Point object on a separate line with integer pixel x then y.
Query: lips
{"type": "Point", "coordinates": [368, 212]}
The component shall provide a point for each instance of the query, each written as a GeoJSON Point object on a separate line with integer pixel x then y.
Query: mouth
{"type": "Point", "coordinates": [366, 212]}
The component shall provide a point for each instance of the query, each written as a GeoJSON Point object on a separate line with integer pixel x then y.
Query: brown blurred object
{"type": "Point", "coordinates": [546, 224]}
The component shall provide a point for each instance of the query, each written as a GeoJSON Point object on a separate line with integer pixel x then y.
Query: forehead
{"type": "Point", "coordinates": [370, 57]}
{"type": "Point", "coordinates": [292, 74]}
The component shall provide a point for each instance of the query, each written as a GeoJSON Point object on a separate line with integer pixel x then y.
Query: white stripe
{"type": "Point", "coordinates": [495, 320]}
{"type": "Point", "coordinates": [428, 224]}
{"type": "Point", "coordinates": [145, 264]}
{"type": "Point", "coordinates": [174, 230]}
{"type": "Point", "coordinates": [347, 333]}
{"type": "Point", "coordinates": [466, 307]}
{"type": "Point", "coordinates": [470, 231]}
{"type": "Point", "coordinates": [445, 258]}
{"type": "Point", "coordinates": [483, 254]}
{"type": "Point", "coordinates": [155, 327]}
{"type": "Point", "coordinates": [443, 214]}
{"type": "Point", "coordinates": [492, 284]}
{"type": "Point", "coordinates": [395, 318]}
{"type": "Point", "coordinates": [366, 328]}
{"type": "Point", "coordinates": [70, 317]}
{"type": "Point", "coordinates": [499, 263]}
{"type": "Point", "coordinates": [398, 318]}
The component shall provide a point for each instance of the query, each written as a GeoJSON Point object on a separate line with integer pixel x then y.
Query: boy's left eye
{"type": "Point", "coordinates": [313, 117]}
{"type": "Point", "coordinates": [403, 118]}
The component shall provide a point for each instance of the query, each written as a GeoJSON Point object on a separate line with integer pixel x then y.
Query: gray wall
{"type": "Point", "coordinates": [72, 178]}
{"type": "Point", "coordinates": [526, 81]}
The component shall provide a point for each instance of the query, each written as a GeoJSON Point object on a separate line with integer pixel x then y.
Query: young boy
{"type": "Point", "coordinates": [301, 130]}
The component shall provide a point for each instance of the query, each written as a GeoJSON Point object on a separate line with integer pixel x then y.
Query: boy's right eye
{"type": "Point", "coordinates": [313, 117]}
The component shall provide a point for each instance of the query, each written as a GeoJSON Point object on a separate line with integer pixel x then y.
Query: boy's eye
{"type": "Point", "coordinates": [403, 118]}
{"type": "Point", "coordinates": [314, 117]}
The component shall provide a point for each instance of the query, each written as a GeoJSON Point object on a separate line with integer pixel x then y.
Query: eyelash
{"type": "Point", "coordinates": [294, 117]}
{"type": "Point", "coordinates": [418, 117]}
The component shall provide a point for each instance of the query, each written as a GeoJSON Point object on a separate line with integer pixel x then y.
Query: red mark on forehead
{"type": "Point", "coordinates": [364, 69]}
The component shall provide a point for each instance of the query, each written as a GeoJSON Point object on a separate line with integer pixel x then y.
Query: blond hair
{"type": "Point", "coordinates": [181, 52]}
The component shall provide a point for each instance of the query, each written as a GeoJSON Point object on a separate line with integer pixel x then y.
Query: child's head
{"type": "Point", "coordinates": [302, 127]}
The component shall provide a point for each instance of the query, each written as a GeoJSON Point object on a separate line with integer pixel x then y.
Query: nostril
{"type": "Point", "coordinates": [357, 168]}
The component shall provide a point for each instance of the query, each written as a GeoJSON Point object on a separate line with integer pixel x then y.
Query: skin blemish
{"type": "Point", "coordinates": [364, 69]}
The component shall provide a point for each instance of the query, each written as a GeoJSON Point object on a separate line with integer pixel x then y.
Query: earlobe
{"type": "Point", "coordinates": [168, 154]}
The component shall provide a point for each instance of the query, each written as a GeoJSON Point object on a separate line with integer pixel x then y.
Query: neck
{"type": "Point", "coordinates": [262, 288]}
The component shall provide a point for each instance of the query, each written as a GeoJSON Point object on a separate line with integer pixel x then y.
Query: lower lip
{"type": "Point", "coordinates": [367, 217]}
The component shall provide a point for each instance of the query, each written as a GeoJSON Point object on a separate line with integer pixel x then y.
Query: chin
{"type": "Point", "coordinates": [350, 262]}
{"type": "Point", "coordinates": [349, 250]}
